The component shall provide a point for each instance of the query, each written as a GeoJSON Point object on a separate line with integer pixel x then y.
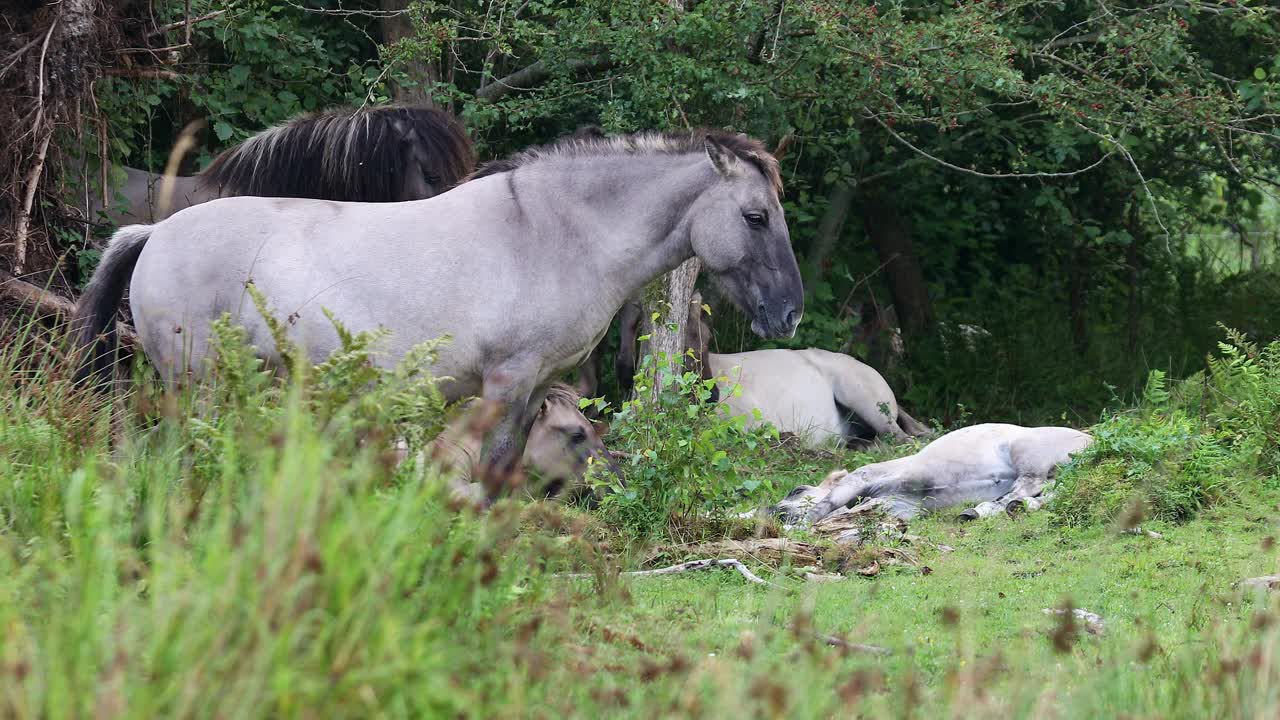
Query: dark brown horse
{"type": "Point", "coordinates": [382, 154]}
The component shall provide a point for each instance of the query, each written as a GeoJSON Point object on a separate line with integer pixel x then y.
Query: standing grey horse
{"type": "Point", "coordinates": [524, 265]}
{"type": "Point", "coordinates": [382, 154]}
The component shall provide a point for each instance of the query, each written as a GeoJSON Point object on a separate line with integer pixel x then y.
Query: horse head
{"type": "Point", "coordinates": [564, 445]}
{"type": "Point", "coordinates": [435, 152]}
{"type": "Point", "coordinates": [739, 232]}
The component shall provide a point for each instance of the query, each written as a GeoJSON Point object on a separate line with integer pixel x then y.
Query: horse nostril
{"type": "Point", "coordinates": [791, 318]}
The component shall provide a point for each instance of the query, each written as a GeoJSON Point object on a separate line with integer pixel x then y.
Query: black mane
{"type": "Point", "coordinates": [341, 154]}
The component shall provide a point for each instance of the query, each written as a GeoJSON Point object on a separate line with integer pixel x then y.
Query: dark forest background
{"type": "Point", "coordinates": [1048, 199]}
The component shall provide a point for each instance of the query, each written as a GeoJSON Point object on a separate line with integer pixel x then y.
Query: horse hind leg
{"type": "Point", "coordinates": [1022, 496]}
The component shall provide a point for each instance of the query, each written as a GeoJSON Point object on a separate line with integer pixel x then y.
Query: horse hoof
{"type": "Point", "coordinates": [968, 515]}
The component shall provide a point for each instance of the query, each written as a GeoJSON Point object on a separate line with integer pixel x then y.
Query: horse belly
{"type": "Point", "coordinates": [793, 401]}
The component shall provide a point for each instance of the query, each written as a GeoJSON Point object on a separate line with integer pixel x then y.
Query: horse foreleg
{"type": "Point", "coordinates": [846, 490]}
{"type": "Point", "coordinates": [511, 396]}
{"type": "Point", "coordinates": [624, 364]}
{"type": "Point", "coordinates": [1027, 494]}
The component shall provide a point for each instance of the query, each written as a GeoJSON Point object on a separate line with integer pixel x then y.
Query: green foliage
{"type": "Point", "coordinates": [257, 65]}
{"type": "Point", "coordinates": [688, 458]}
{"type": "Point", "coordinates": [305, 578]}
{"type": "Point", "coordinates": [250, 549]}
{"type": "Point", "coordinates": [348, 395]}
{"type": "Point", "coordinates": [1200, 443]}
{"type": "Point", "coordinates": [1161, 467]}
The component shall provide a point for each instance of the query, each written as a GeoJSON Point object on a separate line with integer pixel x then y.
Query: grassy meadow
{"type": "Point", "coordinates": [248, 548]}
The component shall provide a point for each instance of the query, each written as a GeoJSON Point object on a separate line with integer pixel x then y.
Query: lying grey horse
{"type": "Point", "coordinates": [818, 395]}
{"type": "Point", "coordinates": [990, 463]}
{"type": "Point", "coordinates": [523, 266]}
{"type": "Point", "coordinates": [383, 154]}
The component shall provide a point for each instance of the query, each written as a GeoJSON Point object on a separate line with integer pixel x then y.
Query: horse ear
{"type": "Point", "coordinates": [780, 151]}
{"type": "Point", "coordinates": [725, 162]}
{"type": "Point", "coordinates": [601, 427]}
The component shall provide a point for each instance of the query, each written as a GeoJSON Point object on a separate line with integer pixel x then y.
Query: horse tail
{"type": "Point", "coordinates": [911, 426]}
{"type": "Point", "coordinates": [95, 315]}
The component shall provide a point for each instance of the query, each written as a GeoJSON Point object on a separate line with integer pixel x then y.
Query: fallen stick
{"type": "Point", "coordinates": [695, 565]}
{"type": "Point", "coordinates": [47, 303]}
{"type": "Point", "coordinates": [840, 642]}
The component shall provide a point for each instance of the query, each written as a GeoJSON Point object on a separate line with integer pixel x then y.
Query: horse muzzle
{"type": "Point", "coordinates": [781, 323]}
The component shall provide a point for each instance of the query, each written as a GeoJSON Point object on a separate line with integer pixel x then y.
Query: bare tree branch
{"type": "Point", "coordinates": [47, 303]}
{"type": "Point", "coordinates": [978, 173]}
{"type": "Point", "coordinates": [697, 565]}
{"type": "Point", "coordinates": [24, 216]}
{"type": "Point", "coordinates": [535, 74]}
{"type": "Point", "coordinates": [148, 73]}
{"type": "Point", "coordinates": [1073, 40]}
{"type": "Point", "coordinates": [836, 641]}
{"type": "Point", "coordinates": [186, 23]}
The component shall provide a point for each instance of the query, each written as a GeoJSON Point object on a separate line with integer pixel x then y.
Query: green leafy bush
{"type": "Point", "coordinates": [1204, 440]}
{"type": "Point", "coordinates": [686, 455]}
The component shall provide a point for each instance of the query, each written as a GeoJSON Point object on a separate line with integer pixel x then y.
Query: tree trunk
{"type": "Point", "coordinates": [829, 229]}
{"type": "Point", "coordinates": [1132, 259]}
{"type": "Point", "coordinates": [890, 234]}
{"type": "Point", "coordinates": [423, 73]}
{"type": "Point", "coordinates": [1079, 275]}
{"type": "Point", "coordinates": [669, 297]}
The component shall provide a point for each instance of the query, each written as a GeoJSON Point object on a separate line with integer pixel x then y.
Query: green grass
{"type": "Point", "coordinates": [246, 550]}
{"type": "Point", "coordinates": [1177, 591]}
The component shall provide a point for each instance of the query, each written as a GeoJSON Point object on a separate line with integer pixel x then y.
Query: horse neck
{"type": "Point", "coordinates": [634, 208]}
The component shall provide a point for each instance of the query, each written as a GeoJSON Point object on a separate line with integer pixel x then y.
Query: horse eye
{"type": "Point", "coordinates": [755, 219]}
{"type": "Point", "coordinates": [578, 436]}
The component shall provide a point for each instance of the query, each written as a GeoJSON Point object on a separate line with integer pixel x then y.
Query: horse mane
{"type": "Point", "coordinates": [340, 154]}
{"type": "Point", "coordinates": [591, 142]}
{"type": "Point", "coordinates": [562, 394]}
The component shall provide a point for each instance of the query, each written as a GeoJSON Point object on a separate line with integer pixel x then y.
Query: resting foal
{"type": "Point", "coordinates": [563, 445]}
{"type": "Point", "coordinates": [993, 462]}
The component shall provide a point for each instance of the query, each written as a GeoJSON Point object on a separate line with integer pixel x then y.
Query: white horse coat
{"type": "Point", "coordinates": [988, 463]}
{"type": "Point", "coordinates": [812, 393]}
